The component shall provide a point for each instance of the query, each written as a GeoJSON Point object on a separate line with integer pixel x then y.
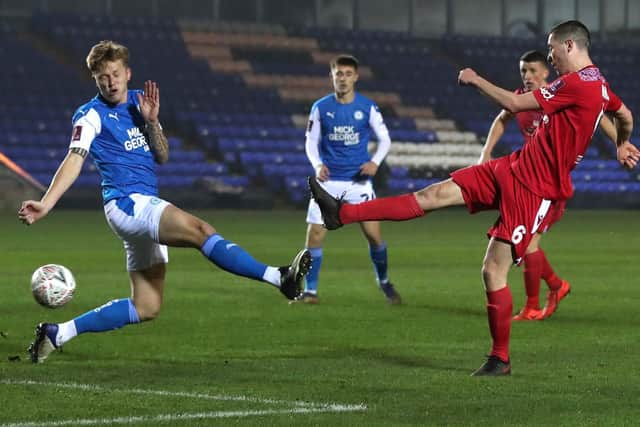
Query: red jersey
{"type": "Point", "coordinates": [528, 121]}
{"type": "Point", "coordinates": [572, 105]}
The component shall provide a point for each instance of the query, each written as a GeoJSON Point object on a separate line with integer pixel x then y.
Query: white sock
{"type": "Point", "coordinates": [66, 332]}
{"type": "Point", "coordinates": [272, 275]}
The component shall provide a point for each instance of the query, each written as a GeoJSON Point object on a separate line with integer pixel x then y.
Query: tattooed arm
{"type": "Point", "coordinates": [150, 108]}
{"type": "Point", "coordinates": [158, 142]}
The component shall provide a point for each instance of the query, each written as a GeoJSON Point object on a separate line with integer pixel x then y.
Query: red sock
{"type": "Point", "coordinates": [396, 208]}
{"type": "Point", "coordinates": [532, 275]}
{"type": "Point", "coordinates": [499, 308]}
{"type": "Point", "coordinates": [549, 276]}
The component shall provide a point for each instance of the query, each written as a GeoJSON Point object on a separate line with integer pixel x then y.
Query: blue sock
{"type": "Point", "coordinates": [112, 315]}
{"type": "Point", "coordinates": [379, 259]}
{"type": "Point", "coordinates": [232, 258]}
{"type": "Point", "coordinates": [314, 272]}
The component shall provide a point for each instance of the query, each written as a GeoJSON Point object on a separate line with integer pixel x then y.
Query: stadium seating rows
{"type": "Point", "coordinates": [247, 128]}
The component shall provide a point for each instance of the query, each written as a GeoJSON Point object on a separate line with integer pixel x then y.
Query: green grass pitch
{"type": "Point", "coordinates": [229, 351]}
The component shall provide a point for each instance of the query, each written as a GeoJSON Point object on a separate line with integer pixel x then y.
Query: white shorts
{"type": "Point", "coordinates": [354, 192]}
{"type": "Point", "coordinates": [136, 220]}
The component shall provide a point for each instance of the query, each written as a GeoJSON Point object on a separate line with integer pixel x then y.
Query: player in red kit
{"type": "Point", "coordinates": [526, 186]}
{"type": "Point", "coordinates": [534, 73]}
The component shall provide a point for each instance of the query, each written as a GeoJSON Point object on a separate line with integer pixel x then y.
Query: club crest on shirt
{"type": "Point", "coordinates": [77, 133]}
{"type": "Point", "coordinates": [358, 115]}
{"type": "Point", "coordinates": [589, 74]}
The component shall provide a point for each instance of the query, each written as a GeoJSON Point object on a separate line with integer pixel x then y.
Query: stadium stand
{"type": "Point", "coordinates": [236, 99]}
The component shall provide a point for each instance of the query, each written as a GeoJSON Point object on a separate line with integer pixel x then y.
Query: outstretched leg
{"type": "Point", "coordinates": [395, 208]}
{"type": "Point", "coordinates": [179, 228]}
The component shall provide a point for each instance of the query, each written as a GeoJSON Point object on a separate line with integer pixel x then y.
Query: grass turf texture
{"type": "Point", "coordinates": [220, 334]}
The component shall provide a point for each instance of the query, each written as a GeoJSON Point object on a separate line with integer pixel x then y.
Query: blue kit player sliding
{"type": "Point", "coordinates": [121, 131]}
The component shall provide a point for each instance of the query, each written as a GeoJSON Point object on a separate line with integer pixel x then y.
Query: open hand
{"type": "Point", "coordinates": [322, 173]}
{"type": "Point", "coordinates": [369, 169]}
{"type": "Point", "coordinates": [150, 102]}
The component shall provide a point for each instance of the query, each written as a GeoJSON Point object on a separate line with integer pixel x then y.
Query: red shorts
{"type": "Point", "coordinates": [556, 212]}
{"type": "Point", "coordinates": [492, 185]}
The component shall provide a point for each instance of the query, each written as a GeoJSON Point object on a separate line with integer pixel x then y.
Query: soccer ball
{"type": "Point", "coordinates": [52, 285]}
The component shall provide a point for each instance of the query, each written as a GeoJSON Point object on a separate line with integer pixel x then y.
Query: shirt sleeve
{"type": "Point", "coordinates": [382, 133]}
{"type": "Point", "coordinates": [558, 95]}
{"type": "Point", "coordinates": [313, 138]}
{"type": "Point", "coordinates": [85, 130]}
{"type": "Point", "coordinates": [615, 102]}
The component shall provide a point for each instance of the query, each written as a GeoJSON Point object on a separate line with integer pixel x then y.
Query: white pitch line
{"type": "Point", "coordinates": [167, 418]}
{"type": "Point", "coordinates": [222, 397]}
{"type": "Point", "coordinates": [299, 407]}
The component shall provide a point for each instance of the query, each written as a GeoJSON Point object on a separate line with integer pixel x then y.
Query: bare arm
{"type": "Point", "coordinates": [624, 124]}
{"type": "Point", "coordinates": [495, 133]}
{"type": "Point", "coordinates": [506, 99]}
{"type": "Point", "coordinates": [68, 171]}
{"type": "Point", "coordinates": [627, 153]}
{"type": "Point", "coordinates": [609, 129]}
{"type": "Point", "coordinates": [150, 108]}
{"type": "Point", "coordinates": [158, 142]}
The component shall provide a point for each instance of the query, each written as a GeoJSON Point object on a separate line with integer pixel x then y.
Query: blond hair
{"type": "Point", "coordinates": [106, 51]}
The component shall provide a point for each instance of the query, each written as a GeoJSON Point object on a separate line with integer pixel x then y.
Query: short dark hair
{"type": "Point", "coordinates": [348, 60]}
{"type": "Point", "coordinates": [574, 30]}
{"type": "Point", "coordinates": [534, 56]}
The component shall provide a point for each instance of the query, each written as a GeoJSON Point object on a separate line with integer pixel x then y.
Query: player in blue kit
{"type": "Point", "coordinates": [121, 131]}
{"type": "Point", "coordinates": [337, 142]}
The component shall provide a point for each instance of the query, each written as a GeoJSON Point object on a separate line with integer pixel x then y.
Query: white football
{"type": "Point", "coordinates": [53, 285]}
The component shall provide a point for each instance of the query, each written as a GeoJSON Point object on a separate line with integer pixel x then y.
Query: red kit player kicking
{"type": "Point", "coordinates": [534, 72]}
{"type": "Point", "coordinates": [526, 186]}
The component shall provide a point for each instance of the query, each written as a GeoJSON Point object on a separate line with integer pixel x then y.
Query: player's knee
{"type": "Point", "coordinates": [430, 197]}
{"type": "Point", "coordinates": [493, 274]}
{"type": "Point", "coordinates": [424, 197]}
{"type": "Point", "coordinates": [200, 231]}
{"type": "Point", "coordinates": [315, 236]}
{"type": "Point", "coordinates": [439, 195]}
{"type": "Point", "coordinates": [206, 229]}
{"type": "Point", "coordinates": [148, 311]}
{"type": "Point", "coordinates": [489, 267]}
